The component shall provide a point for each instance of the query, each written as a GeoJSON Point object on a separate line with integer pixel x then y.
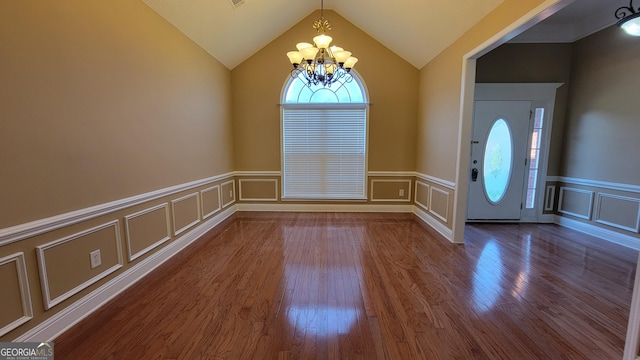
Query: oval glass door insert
{"type": "Point", "coordinates": [498, 161]}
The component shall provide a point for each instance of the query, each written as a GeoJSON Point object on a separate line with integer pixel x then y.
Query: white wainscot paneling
{"type": "Point", "coordinates": [550, 198]}
{"type": "Point", "coordinates": [618, 211]}
{"type": "Point", "coordinates": [176, 203]}
{"type": "Point", "coordinates": [205, 205]}
{"type": "Point", "coordinates": [404, 198]}
{"type": "Point", "coordinates": [44, 277]}
{"type": "Point", "coordinates": [435, 212]}
{"type": "Point", "coordinates": [41, 226]}
{"type": "Point", "coordinates": [129, 221]}
{"type": "Point", "coordinates": [232, 195]}
{"type": "Point", "coordinates": [576, 202]}
{"type": "Point", "coordinates": [419, 189]}
{"type": "Point", "coordinates": [243, 197]}
{"type": "Point", "coordinates": [23, 287]}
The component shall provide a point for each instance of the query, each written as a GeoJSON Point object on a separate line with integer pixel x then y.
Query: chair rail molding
{"type": "Point", "coordinates": [37, 227]}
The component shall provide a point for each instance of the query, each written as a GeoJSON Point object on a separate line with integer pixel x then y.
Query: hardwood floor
{"type": "Point", "coordinates": [370, 286]}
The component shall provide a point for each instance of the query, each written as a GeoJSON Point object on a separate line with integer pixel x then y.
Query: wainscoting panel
{"type": "Point", "coordinates": [146, 230]}
{"type": "Point", "coordinates": [439, 203]}
{"type": "Point", "coordinates": [605, 209]}
{"type": "Point", "coordinates": [550, 197]}
{"type": "Point", "coordinates": [41, 226]}
{"type": "Point", "coordinates": [390, 190]}
{"type": "Point", "coordinates": [228, 190]}
{"type": "Point", "coordinates": [422, 195]}
{"type": "Point", "coordinates": [210, 199]}
{"type": "Point", "coordinates": [618, 211]}
{"type": "Point", "coordinates": [576, 202]}
{"type": "Point", "coordinates": [258, 189]}
{"type": "Point", "coordinates": [65, 264]}
{"type": "Point", "coordinates": [15, 302]}
{"type": "Point", "coordinates": [56, 253]}
{"type": "Point", "coordinates": [186, 212]}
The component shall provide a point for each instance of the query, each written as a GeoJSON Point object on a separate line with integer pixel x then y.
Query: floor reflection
{"type": "Point", "coordinates": [487, 277]}
{"type": "Point", "coordinates": [323, 298]}
{"type": "Point", "coordinates": [522, 280]}
{"type": "Point", "coordinates": [322, 321]}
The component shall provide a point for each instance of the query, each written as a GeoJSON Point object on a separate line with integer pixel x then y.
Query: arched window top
{"type": "Point", "coordinates": [345, 90]}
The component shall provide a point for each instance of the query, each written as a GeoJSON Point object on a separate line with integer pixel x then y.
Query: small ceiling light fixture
{"type": "Point", "coordinates": [629, 19]}
{"type": "Point", "coordinates": [319, 63]}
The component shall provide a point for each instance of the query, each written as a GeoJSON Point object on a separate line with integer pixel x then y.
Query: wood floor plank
{"type": "Point", "coordinates": [370, 286]}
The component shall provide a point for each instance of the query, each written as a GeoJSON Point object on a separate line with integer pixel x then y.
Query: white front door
{"type": "Point", "coordinates": [498, 158]}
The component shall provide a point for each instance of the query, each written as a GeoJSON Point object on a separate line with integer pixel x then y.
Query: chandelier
{"type": "Point", "coordinates": [319, 63]}
{"type": "Point", "coordinates": [629, 19]}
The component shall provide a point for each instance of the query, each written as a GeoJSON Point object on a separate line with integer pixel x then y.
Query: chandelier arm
{"type": "Point", "coordinates": [625, 11]}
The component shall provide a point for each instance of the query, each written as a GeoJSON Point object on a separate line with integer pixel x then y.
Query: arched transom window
{"type": "Point", "coordinates": [324, 140]}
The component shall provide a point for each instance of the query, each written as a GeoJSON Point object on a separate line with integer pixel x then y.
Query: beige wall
{"type": "Point", "coordinates": [101, 100]}
{"type": "Point", "coordinates": [258, 82]}
{"type": "Point", "coordinates": [601, 134]}
{"type": "Point", "coordinates": [533, 63]}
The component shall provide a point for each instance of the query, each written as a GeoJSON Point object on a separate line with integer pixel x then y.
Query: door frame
{"type": "Point", "coordinates": [541, 95]}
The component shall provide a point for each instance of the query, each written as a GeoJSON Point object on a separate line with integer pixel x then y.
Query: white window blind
{"type": "Point", "coordinates": [324, 152]}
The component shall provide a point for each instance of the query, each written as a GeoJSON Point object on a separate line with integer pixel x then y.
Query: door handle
{"type": "Point", "coordinates": [474, 174]}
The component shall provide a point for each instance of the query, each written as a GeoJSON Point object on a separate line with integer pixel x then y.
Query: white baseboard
{"type": "Point", "coordinates": [547, 219]}
{"type": "Point", "coordinates": [432, 222]}
{"type": "Point", "coordinates": [295, 207]}
{"type": "Point", "coordinates": [609, 235]}
{"type": "Point", "coordinates": [424, 216]}
{"type": "Point", "coordinates": [71, 315]}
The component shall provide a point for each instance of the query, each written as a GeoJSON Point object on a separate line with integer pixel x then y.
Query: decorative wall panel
{"type": "Point", "coordinates": [228, 191]}
{"type": "Point", "coordinates": [15, 302]}
{"type": "Point", "coordinates": [439, 203]}
{"type": "Point", "coordinates": [146, 230]}
{"type": "Point", "coordinates": [186, 213]}
{"type": "Point", "coordinates": [390, 190]}
{"type": "Point", "coordinates": [258, 189]}
{"type": "Point", "coordinates": [65, 264]}
{"type": "Point", "coordinates": [422, 195]}
{"type": "Point", "coordinates": [618, 211]}
{"type": "Point", "coordinates": [210, 199]}
{"type": "Point", "coordinates": [576, 202]}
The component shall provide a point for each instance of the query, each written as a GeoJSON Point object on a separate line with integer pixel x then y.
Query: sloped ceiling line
{"type": "Point", "coordinates": [416, 30]}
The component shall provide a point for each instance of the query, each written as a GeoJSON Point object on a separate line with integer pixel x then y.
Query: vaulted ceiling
{"type": "Point", "coordinates": [416, 30]}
